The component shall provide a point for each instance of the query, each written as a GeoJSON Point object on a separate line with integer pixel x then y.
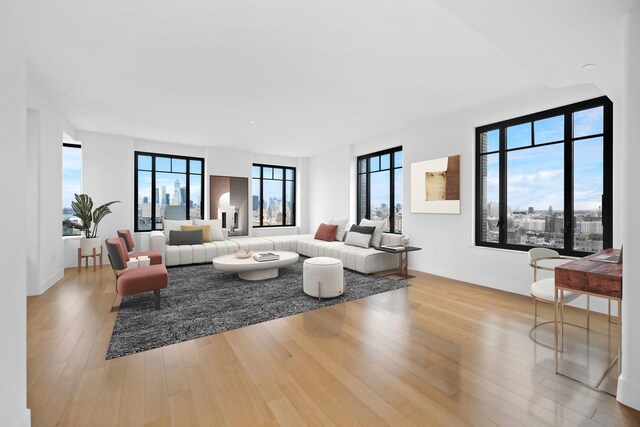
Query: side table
{"type": "Point", "coordinates": [93, 255]}
{"type": "Point", "coordinates": [403, 251]}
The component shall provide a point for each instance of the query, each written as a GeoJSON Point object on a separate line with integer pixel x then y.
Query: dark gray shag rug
{"type": "Point", "coordinates": [201, 300]}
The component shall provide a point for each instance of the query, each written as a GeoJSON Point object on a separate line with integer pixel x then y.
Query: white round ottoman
{"type": "Point", "coordinates": [322, 277]}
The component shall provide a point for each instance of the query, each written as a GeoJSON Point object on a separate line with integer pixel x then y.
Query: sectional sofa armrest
{"type": "Point", "coordinates": [157, 242]}
{"type": "Point", "coordinates": [391, 239]}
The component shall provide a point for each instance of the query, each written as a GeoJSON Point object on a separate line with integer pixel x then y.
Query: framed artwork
{"type": "Point", "coordinates": [435, 186]}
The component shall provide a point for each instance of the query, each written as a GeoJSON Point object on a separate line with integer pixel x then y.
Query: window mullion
{"type": "Point", "coordinates": [391, 195]}
{"type": "Point", "coordinates": [187, 193]}
{"type": "Point", "coordinates": [261, 196]}
{"type": "Point", "coordinates": [568, 183]}
{"type": "Point", "coordinates": [502, 183]}
{"type": "Point", "coordinates": [284, 196]}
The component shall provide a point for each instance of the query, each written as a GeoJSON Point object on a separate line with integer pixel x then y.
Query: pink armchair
{"type": "Point", "coordinates": [154, 256]}
{"type": "Point", "coordinates": [131, 281]}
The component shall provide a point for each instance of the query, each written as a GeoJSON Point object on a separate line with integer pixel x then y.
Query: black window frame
{"type": "Point", "coordinates": [367, 198]}
{"type": "Point", "coordinates": [153, 186]}
{"type": "Point", "coordinates": [74, 232]}
{"type": "Point", "coordinates": [262, 166]}
{"type": "Point", "coordinates": [568, 139]}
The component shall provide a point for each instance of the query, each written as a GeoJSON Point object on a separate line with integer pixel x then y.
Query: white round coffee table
{"type": "Point", "coordinates": [250, 269]}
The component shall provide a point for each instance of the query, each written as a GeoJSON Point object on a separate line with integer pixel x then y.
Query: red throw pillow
{"type": "Point", "coordinates": [326, 232]}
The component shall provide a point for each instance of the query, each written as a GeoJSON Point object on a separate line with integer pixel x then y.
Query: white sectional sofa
{"type": "Point", "coordinates": [354, 258]}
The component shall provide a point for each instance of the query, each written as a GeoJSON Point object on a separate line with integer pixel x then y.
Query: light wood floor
{"type": "Point", "coordinates": [440, 352]}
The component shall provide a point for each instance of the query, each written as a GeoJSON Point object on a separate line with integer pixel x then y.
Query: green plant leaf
{"type": "Point", "coordinates": [89, 218]}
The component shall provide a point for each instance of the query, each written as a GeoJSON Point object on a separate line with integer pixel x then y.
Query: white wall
{"type": "Point", "coordinates": [629, 381]}
{"type": "Point", "coordinates": [45, 128]}
{"type": "Point", "coordinates": [13, 125]}
{"type": "Point", "coordinates": [329, 189]}
{"type": "Point", "coordinates": [107, 175]}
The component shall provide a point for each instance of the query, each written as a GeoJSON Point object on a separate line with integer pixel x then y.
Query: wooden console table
{"type": "Point", "coordinates": [600, 279]}
{"type": "Point", "coordinates": [93, 255]}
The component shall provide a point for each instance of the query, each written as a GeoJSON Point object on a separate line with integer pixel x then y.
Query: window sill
{"type": "Point", "coordinates": [71, 237]}
{"type": "Point", "coordinates": [513, 251]}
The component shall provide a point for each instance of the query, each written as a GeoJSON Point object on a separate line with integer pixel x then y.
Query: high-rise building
{"type": "Point", "coordinates": [163, 195]}
{"type": "Point", "coordinates": [177, 194]}
{"type": "Point", "coordinates": [493, 209]}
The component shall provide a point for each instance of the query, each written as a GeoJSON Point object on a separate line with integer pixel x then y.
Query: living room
{"type": "Point", "coordinates": [314, 88]}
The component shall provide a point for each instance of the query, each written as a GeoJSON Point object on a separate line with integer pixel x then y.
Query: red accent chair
{"type": "Point", "coordinates": [154, 256]}
{"type": "Point", "coordinates": [131, 281]}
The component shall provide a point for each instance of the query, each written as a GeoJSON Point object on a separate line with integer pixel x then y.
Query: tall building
{"type": "Point", "coordinates": [177, 194]}
{"type": "Point", "coordinates": [163, 195]}
{"type": "Point", "coordinates": [493, 210]}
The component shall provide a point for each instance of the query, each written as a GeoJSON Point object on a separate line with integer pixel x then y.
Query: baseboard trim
{"type": "Point", "coordinates": [50, 281]}
{"type": "Point", "coordinates": [25, 420]}
{"type": "Point", "coordinates": [628, 393]}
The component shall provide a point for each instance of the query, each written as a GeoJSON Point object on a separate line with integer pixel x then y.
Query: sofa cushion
{"type": "Point", "coordinates": [205, 229]}
{"type": "Point", "coordinates": [359, 236]}
{"type": "Point", "coordinates": [253, 244]}
{"type": "Point", "coordinates": [215, 228]}
{"type": "Point", "coordinates": [326, 232]}
{"type": "Point", "coordinates": [193, 237]}
{"type": "Point", "coordinates": [342, 228]}
{"type": "Point", "coordinates": [288, 242]}
{"type": "Point", "coordinates": [377, 235]}
{"type": "Point", "coordinates": [169, 225]}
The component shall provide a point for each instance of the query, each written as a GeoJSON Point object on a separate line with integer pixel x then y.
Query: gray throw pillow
{"type": "Point", "coordinates": [192, 237]}
{"type": "Point", "coordinates": [359, 236]}
{"type": "Point", "coordinates": [377, 235]}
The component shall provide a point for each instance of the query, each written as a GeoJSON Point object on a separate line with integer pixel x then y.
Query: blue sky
{"type": "Point", "coordinates": [535, 176]}
{"type": "Point", "coordinates": [71, 174]}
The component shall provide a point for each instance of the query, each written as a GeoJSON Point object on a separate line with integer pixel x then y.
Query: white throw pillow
{"type": "Point", "coordinates": [173, 225]}
{"type": "Point", "coordinates": [215, 228]}
{"type": "Point", "coordinates": [377, 235]}
{"type": "Point", "coordinates": [342, 227]}
{"type": "Point", "coordinates": [358, 239]}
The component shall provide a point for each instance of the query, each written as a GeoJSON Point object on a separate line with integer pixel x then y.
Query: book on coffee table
{"type": "Point", "coordinates": [268, 256]}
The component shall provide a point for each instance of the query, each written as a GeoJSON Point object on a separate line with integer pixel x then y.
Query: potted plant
{"type": "Point", "coordinates": [89, 220]}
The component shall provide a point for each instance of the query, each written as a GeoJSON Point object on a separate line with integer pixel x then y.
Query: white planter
{"type": "Point", "coordinates": [87, 245]}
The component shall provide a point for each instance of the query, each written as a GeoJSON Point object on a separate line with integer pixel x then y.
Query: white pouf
{"type": "Point", "coordinates": [322, 277]}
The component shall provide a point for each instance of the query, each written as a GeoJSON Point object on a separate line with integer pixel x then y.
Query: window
{"type": "Point", "coordinates": [274, 196]}
{"type": "Point", "coordinates": [380, 188]}
{"type": "Point", "coordinates": [545, 180]}
{"type": "Point", "coordinates": [71, 184]}
{"type": "Point", "coordinates": [167, 187]}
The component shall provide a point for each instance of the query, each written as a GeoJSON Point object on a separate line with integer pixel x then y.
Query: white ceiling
{"type": "Point", "coordinates": [311, 74]}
